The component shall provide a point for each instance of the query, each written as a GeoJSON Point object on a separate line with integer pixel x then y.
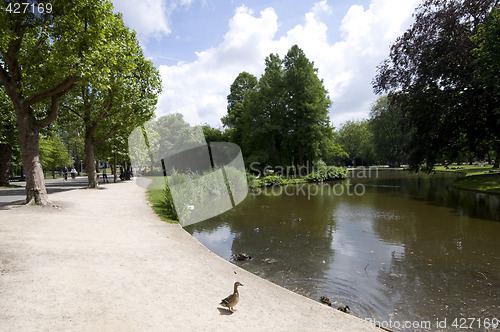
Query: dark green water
{"type": "Point", "coordinates": [389, 245]}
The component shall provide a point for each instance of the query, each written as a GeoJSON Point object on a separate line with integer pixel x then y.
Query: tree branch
{"type": "Point", "coordinates": [110, 134]}
{"type": "Point", "coordinates": [54, 106]}
{"type": "Point", "coordinates": [62, 88]}
{"type": "Point", "coordinates": [106, 107]}
{"type": "Point", "coordinates": [72, 111]}
{"type": "Point", "coordinates": [13, 49]}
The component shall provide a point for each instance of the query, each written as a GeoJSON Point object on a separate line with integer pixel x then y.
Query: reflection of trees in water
{"type": "Point", "coordinates": [435, 189]}
{"type": "Point", "coordinates": [293, 230]}
{"type": "Point", "coordinates": [449, 268]}
{"type": "Point", "coordinates": [444, 265]}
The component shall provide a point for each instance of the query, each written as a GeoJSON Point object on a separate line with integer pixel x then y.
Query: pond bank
{"type": "Point", "coordinates": [481, 183]}
{"type": "Point", "coordinates": [102, 260]}
{"type": "Point", "coordinates": [476, 179]}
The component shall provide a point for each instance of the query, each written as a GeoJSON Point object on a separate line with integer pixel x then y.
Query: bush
{"type": "Point", "coordinates": [168, 203]}
{"type": "Point", "coordinates": [327, 173]}
{"type": "Point", "coordinates": [270, 180]}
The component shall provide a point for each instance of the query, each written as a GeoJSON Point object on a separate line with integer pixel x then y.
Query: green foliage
{"type": "Point", "coordinates": [193, 190]}
{"type": "Point", "coordinates": [270, 180]}
{"type": "Point", "coordinates": [487, 61]}
{"type": "Point", "coordinates": [53, 153]}
{"type": "Point", "coordinates": [487, 51]}
{"type": "Point", "coordinates": [160, 200]}
{"type": "Point", "coordinates": [8, 127]}
{"type": "Point", "coordinates": [327, 173]}
{"type": "Point", "coordinates": [168, 203]}
{"type": "Point", "coordinates": [356, 139]}
{"type": "Point", "coordinates": [390, 132]}
{"type": "Point", "coordinates": [431, 75]}
{"type": "Point", "coordinates": [44, 56]}
{"type": "Point", "coordinates": [214, 134]}
{"type": "Point", "coordinates": [287, 108]}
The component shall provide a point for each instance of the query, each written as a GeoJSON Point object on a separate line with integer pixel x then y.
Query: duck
{"type": "Point", "coordinates": [345, 309]}
{"type": "Point", "coordinates": [325, 300]}
{"type": "Point", "coordinates": [232, 300]}
{"type": "Point", "coordinates": [241, 256]}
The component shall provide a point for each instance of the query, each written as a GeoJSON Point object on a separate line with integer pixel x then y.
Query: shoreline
{"type": "Point", "coordinates": [102, 260]}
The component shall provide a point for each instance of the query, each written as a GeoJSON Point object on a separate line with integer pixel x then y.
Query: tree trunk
{"type": "Point", "coordinates": [90, 160]}
{"type": "Point", "coordinates": [114, 169]}
{"type": "Point", "coordinates": [497, 160]}
{"type": "Point", "coordinates": [28, 141]}
{"type": "Point", "coordinates": [5, 159]}
{"type": "Point", "coordinates": [301, 158]}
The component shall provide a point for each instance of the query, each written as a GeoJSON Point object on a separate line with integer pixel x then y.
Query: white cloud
{"type": "Point", "coordinates": [150, 18]}
{"type": "Point", "coordinates": [198, 89]}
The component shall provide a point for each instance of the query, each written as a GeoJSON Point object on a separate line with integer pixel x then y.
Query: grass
{"type": "Point", "coordinates": [483, 182]}
{"type": "Point", "coordinates": [156, 199]}
{"type": "Point", "coordinates": [476, 178]}
{"type": "Point", "coordinates": [466, 169]}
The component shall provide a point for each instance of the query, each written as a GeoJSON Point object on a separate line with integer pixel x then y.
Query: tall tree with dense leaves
{"type": "Point", "coordinates": [43, 55]}
{"type": "Point", "coordinates": [121, 98]}
{"type": "Point", "coordinates": [237, 101]}
{"type": "Point", "coordinates": [283, 119]}
{"type": "Point", "coordinates": [430, 76]}
{"type": "Point", "coordinates": [307, 107]}
{"type": "Point", "coordinates": [263, 120]}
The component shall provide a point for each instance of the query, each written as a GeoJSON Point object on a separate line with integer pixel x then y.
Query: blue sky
{"type": "Point", "coordinates": [200, 46]}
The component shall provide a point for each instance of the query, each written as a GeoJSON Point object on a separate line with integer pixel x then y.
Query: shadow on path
{"type": "Point", "coordinates": [17, 196]}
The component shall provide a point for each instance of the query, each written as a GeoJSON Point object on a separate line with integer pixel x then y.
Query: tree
{"type": "Point", "coordinates": [237, 101]}
{"type": "Point", "coordinates": [241, 87]}
{"type": "Point", "coordinates": [214, 134]}
{"type": "Point", "coordinates": [430, 76]}
{"type": "Point", "coordinates": [114, 151]}
{"type": "Point", "coordinates": [263, 118]}
{"type": "Point", "coordinates": [154, 143]}
{"type": "Point", "coordinates": [43, 55]}
{"type": "Point", "coordinates": [307, 107]}
{"type": "Point", "coordinates": [120, 99]}
{"type": "Point", "coordinates": [53, 153]}
{"type": "Point", "coordinates": [283, 118]}
{"type": "Point", "coordinates": [390, 132]}
{"type": "Point", "coordinates": [355, 138]}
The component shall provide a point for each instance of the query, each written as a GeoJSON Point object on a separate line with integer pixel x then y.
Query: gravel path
{"type": "Point", "coordinates": [103, 261]}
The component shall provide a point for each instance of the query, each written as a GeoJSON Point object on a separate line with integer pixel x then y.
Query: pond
{"type": "Point", "coordinates": [390, 245]}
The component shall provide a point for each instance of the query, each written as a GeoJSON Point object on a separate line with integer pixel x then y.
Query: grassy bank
{"type": "Point", "coordinates": [465, 169]}
{"type": "Point", "coordinates": [156, 198]}
{"type": "Point", "coordinates": [489, 183]}
{"type": "Point", "coordinates": [477, 178]}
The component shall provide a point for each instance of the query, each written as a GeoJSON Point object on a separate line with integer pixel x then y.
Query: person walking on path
{"type": "Point", "coordinates": [104, 175]}
{"type": "Point", "coordinates": [65, 173]}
